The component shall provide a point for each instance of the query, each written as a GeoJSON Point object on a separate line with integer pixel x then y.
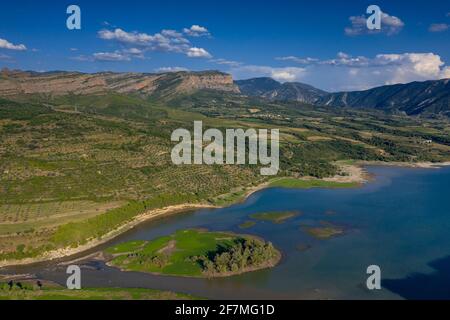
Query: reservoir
{"type": "Point", "coordinates": [400, 222]}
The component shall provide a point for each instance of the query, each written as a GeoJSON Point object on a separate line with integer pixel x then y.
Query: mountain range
{"type": "Point", "coordinates": [428, 97]}
{"type": "Point", "coordinates": [415, 98]}
{"type": "Point", "coordinates": [275, 91]}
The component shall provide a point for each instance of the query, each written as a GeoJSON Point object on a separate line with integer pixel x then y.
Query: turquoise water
{"type": "Point", "coordinates": [400, 222]}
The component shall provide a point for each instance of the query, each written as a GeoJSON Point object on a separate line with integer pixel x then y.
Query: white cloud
{"type": "Point", "coordinates": [287, 74]}
{"type": "Point", "coordinates": [413, 66]}
{"type": "Point", "coordinates": [198, 53]}
{"type": "Point", "coordinates": [196, 31]}
{"type": "Point", "coordinates": [383, 69]}
{"type": "Point", "coordinates": [5, 58]}
{"type": "Point", "coordinates": [438, 27]}
{"type": "Point", "coordinates": [171, 69]}
{"type": "Point", "coordinates": [5, 44]}
{"type": "Point", "coordinates": [230, 63]}
{"type": "Point", "coordinates": [82, 58]}
{"type": "Point", "coordinates": [133, 52]}
{"type": "Point", "coordinates": [119, 55]}
{"type": "Point", "coordinates": [342, 59]}
{"type": "Point", "coordinates": [445, 74]}
{"type": "Point", "coordinates": [306, 60]}
{"type": "Point", "coordinates": [164, 41]}
{"type": "Point", "coordinates": [389, 25]}
{"type": "Point", "coordinates": [110, 56]}
{"type": "Point", "coordinates": [126, 37]}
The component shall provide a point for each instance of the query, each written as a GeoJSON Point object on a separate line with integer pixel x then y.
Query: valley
{"type": "Point", "coordinates": [84, 163]}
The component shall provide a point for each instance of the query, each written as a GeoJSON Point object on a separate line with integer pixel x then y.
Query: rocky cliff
{"type": "Point", "coordinates": [14, 83]}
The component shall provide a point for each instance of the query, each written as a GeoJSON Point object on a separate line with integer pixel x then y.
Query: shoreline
{"type": "Point", "coordinates": [356, 173]}
{"type": "Point", "coordinates": [68, 252]}
{"type": "Point", "coordinates": [419, 165]}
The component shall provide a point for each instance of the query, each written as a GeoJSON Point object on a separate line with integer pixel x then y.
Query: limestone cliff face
{"type": "Point", "coordinates": [213, 81]}
{"type": "Point", "coordinates": [14, 83]}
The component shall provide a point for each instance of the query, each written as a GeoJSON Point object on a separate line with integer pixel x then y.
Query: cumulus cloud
{"type": "Point", "coordinates": [171, 69]}
{"type": "Point", "coordinates": [390, 25]}
{"type": "Point", "coordinates": [445, 73]}
{"type": "Point", "coordinates": [286, 74]}
{"type": "Point", "coordinates": [127, 37]}
{"type": "Point", "coordinates": [414, 66]}
{"type": "Point", "coordinates": [164, 41]}
{"type": "Point", "coordinates": [438, 27]}
{"type": "Point", "coordinates": [346, 72]}
{"type": "Point", "coordinates": [198, 53]}
{"type": "Point", "coordinates": [5, 44]}
{"type": "Point", "coordinates": [196, 31]}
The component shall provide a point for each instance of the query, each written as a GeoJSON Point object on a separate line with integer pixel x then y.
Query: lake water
{"type": "Point", "coordinates": [400, 222]}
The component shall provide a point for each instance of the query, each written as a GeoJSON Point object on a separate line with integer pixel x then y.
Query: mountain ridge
{"type": "Point", "coordinates": [161, 85]}
{"type": "Point", "coordinates": [430, 97]}
{"type": "Point", "coordinates": [414, 98]}
{"type": "Point", "coordinates": [271, 89]}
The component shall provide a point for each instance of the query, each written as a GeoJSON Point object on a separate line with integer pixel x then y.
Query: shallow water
{"type": "Point", "coordinates": [400, 222]}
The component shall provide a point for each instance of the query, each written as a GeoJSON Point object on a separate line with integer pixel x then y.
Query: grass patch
{"type": "Point", "coordinates": [28, 291]}
{"type": "Point", "coordinates": [308, 184]}
{"type": "Point", "coordinates": [247, 225]}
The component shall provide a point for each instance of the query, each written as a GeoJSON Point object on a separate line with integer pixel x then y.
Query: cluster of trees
{"type": "Point", "coordinates": [242, 255]}
{"type": "Point", "coordinates": [396, 151]}
{"type": "Point", "coordinates": [145, 259]}
{"type": "Point", "coordinates": [12, 285]}
{"type": "Point", "coordinates": [21, 111]}
{"type": "Point", "coordinates": [315, 158]}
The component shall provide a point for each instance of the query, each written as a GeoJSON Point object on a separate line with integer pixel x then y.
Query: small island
{"type": "Point", "coordinates": [247, 224]}
{"type": "Point", "coordinates": [277, 217]}
{"type": "Point", "coordinates": [195, 253]}
{"type": "Point", "coordinates": [325, 231]}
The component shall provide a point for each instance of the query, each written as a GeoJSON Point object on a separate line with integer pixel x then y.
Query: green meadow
{"type": "Point", "coordinates": [193, 253]}
{"type": "Point", "coordinates": [31, 292]}
{"type": "Point", "coordinates": [308, 184]}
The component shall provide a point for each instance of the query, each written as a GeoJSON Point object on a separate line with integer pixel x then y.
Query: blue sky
{"type": "Point", "coordinates": [323, 43]}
